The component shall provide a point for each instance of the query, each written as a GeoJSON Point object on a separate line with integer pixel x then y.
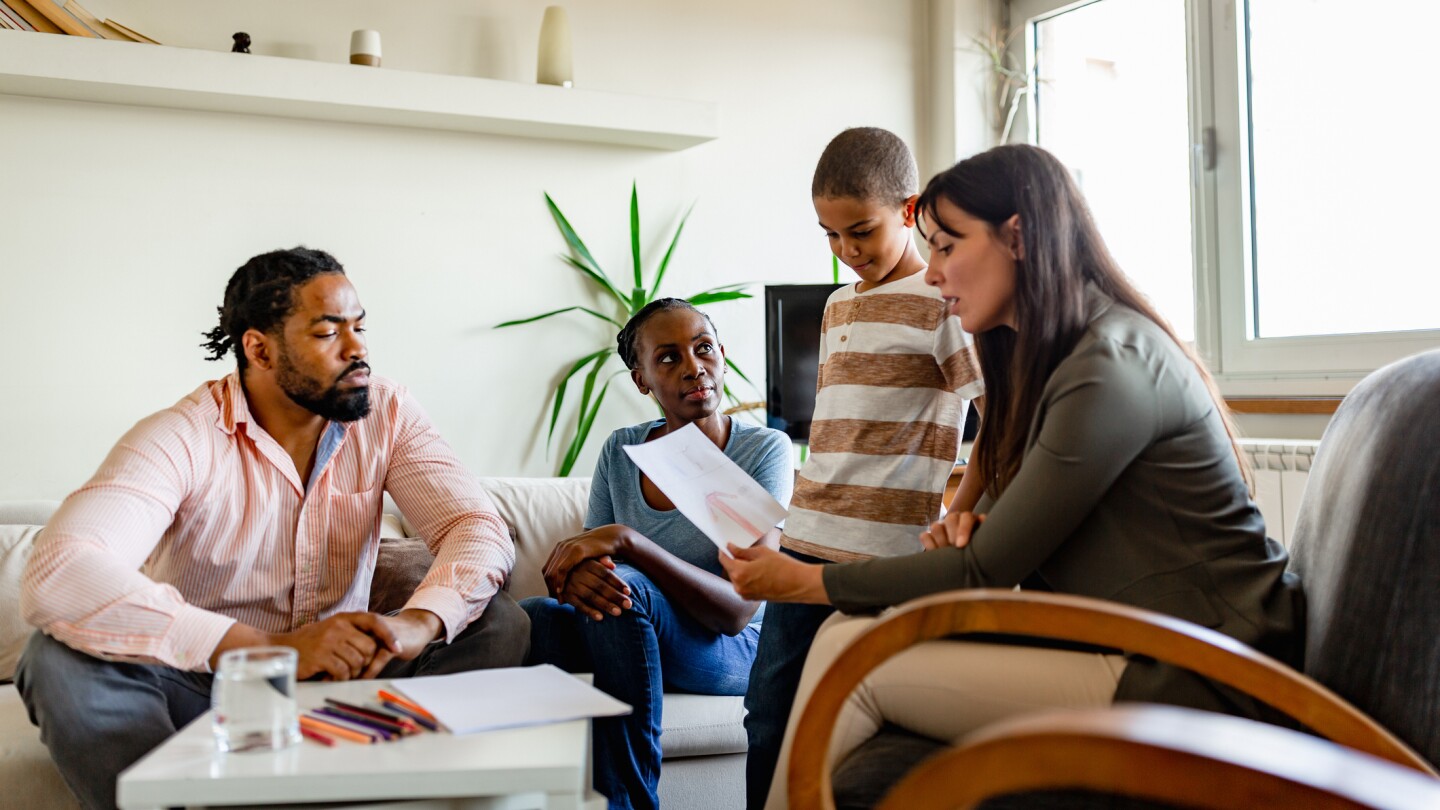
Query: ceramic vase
{"type": "Point", "coordinates": [365, 47]}
{"type": "Point", "coordinates": [554, 63]}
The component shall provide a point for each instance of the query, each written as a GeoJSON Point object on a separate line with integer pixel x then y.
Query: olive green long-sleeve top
{"type": "Point", "coordinates": [1129, 490]}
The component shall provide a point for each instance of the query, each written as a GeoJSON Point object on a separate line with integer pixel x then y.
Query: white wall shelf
{"type": "Point", "coordinates": [82, 69]}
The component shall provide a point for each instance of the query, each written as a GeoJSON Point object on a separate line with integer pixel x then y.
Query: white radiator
{"type": "Point", "coordinates": [1282, 467]}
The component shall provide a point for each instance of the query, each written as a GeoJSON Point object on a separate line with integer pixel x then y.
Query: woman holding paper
{"type": "Point", "coordinates": [640, 598]}
{"type": "Point", "coordinates": [1110, 471]}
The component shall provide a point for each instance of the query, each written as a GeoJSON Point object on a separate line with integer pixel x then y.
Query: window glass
{"type": "Point", "coordinates": [1111, 103]}
{"type": "Point", "coordinates": [1344, 177]}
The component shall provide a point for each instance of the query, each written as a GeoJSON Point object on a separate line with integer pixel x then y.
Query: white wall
{"type": "Point", "coordinates": [119, 225]}
{"type": "Point", "coordinates": [955, 83]}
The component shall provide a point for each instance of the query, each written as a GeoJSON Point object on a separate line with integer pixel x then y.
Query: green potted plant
{"type": "Point", "coordinates": [623, 306]}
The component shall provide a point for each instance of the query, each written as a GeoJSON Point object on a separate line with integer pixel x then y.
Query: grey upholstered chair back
{"type": "Point", "coordinates": [1367, 547]}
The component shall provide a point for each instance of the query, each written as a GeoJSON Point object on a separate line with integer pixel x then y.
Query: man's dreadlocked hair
{"type": "Point", "coordinates": [261, 294]}
{"type": "Point", "coordinates": [625, 341]}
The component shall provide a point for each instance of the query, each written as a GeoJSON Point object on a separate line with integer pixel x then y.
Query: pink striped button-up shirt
{"type": "Point", "coordinates": [198, 519]}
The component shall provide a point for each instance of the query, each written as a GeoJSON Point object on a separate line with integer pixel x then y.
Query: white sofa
{"type": "Point", "coordinates": [703, 737]}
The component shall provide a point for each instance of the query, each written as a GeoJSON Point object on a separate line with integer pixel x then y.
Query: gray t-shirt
{"type": "Point", "coordinates": [615, 495]}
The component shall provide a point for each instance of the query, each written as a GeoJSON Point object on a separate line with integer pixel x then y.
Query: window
{"type": "Point", "coordinates": [1257, 167]}
{"type": "Point", "coordinates": [1338, 196]}
{"type": "Point", "coordinates": [1101, 65]}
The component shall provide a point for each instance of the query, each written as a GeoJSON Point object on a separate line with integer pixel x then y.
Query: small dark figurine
{"type": "Point", "coordinates": [242, 42]}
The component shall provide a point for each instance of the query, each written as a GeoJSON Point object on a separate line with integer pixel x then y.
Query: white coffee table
{"type": "Point", "coordinates": [541, 767]}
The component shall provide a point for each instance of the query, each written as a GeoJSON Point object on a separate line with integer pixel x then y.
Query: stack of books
{"type": "Point", "coordinates": [63, 17]}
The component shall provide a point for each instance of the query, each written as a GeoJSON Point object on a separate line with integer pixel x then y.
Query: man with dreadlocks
{"type": "Point", "coordinates": [248, 514]}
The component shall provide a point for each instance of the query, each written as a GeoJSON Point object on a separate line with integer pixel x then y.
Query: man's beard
{"type": "Point", "coordinates": [332, 403]}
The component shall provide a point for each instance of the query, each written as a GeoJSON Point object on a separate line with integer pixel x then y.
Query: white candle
{"type": "Point", "coordinates": [554, 63]}
{"type": "Point", "coordinates": [365, 47]}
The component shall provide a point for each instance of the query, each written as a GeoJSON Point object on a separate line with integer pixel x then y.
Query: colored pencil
{"type": "Point", "coordinates": [396, 707]}
{"type": "Point", "coordinates": [411, 705]}
{"type": "Point", "coordinates": [316, 724]}
{"type": "Point", "coordinates": [404, 722]}
{"type": "Point", "coordinates": [317, 737]}
{"type": "Point", "coordinates": [387, 730]}
{"type": "Point", "coordinates": [339, 722]}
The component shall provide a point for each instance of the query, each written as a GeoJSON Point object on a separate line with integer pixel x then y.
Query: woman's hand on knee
{"type": "Point", "coordinates": [594, 589]}
{"type": "Point", "coordinates": [604, 541]}
{"type": "Point", "coordinates": [954, 529]}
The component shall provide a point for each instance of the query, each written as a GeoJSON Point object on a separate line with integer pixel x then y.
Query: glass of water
{"type": "Point", "coordinates": [254, 699]}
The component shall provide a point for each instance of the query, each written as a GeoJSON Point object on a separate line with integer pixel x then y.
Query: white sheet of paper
{"type": "Point", "coordinates": [487, 699]}
{"type": "Point", "coordinates": [721, 499]}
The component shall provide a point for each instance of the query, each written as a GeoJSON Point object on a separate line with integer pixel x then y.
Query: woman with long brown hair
{"type": "Point", "coordinates": [1109, 470]}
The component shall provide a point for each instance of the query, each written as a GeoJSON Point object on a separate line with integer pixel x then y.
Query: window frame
{"type": "Point", "coordinates": [1244, 364]}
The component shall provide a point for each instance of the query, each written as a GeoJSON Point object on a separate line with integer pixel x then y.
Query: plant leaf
{"type": "Point", "coordinates": [571, 237]}
{"type": "Point", "coordinates": [534, 318]}
{"type": "Point", "coordinates": [564, 384]}
{"type": "Point", "coordinates": [735, 368]}
{"type": "Point", "coordinates": [736, 286]}
{"type": "Point", "coordinates": [589, 388]}
{"type": "Point", "coordinates": [602, 280]}
{"type": "Point", "coordinates": [585, 262]}
{"type": "Point", "coordinates": [635, 236]}
{"type": "Point", "coordinates": [700, 299]}
{"type": "Point", "coordinates": [578, 439]}
{"type": "Point", "coordinates": [582, 429]}
{"type": "Point", "coordinates": [665, 262]}
{"type": "Point", "coordinates": [730, 395]}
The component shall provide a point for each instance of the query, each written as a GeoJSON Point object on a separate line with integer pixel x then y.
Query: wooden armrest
{"type": "Point", "coordinates": [1087, 621]}
{"type": "Point", "coordinates": [1160, 753]}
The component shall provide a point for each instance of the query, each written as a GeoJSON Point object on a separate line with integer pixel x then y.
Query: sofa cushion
{"type": "Point", "coordinates": [699, 725]}
{"type": "Point", "coordinates": [27, 513]}
{"type": "Point", "coordinates": [28, 777]}
{"type": "Point", "coordinates": [541, 512]}
{"type": "Point", "coordinates": [399, 567]}
{"type": "Point", "coordinates": [392, 526]}
{"type": "Point", "coordinates": [15, 544]}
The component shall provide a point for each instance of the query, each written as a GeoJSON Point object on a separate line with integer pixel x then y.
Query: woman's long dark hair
{"type": "Point", "coordinates": [1062, 251]}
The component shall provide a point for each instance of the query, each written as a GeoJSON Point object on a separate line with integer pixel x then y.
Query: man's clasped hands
{"type": "Point", "coordinates": [347, 645]}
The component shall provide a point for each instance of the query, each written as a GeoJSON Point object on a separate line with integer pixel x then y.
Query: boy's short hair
{"type": "Point", "coordinates": [866, 163]}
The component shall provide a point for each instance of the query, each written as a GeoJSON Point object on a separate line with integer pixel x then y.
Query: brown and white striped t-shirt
{"type": "Point", "coordinates": [896, 370]}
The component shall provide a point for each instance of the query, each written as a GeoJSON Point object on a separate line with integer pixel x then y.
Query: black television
{"type": "Point", "coordinates": [793, 313]}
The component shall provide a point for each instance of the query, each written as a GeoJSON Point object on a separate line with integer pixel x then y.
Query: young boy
{"type": "Point", "coordinates": [895, 373]}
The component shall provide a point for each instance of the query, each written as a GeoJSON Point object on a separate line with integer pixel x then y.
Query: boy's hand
{"type": "Point", "coordinates": [605, 541]}
{"type": "Point", "coordinates": [760, 572]}
{"type": "Point", "coordinates": [952, 529]}
{"type": "Point", "coordinates": [595, 591]}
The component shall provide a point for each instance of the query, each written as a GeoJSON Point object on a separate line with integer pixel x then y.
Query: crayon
{"type": "Point", "coordinates": [411, 705]}
{"type": "Point", "coordinates": [404, 722]}
{"type": "Point", "coordinates": [317, 725]}
{"type": "Point", "coordinates": [317, 737]}
{"type": "Point", "coordinates": [333, 715]}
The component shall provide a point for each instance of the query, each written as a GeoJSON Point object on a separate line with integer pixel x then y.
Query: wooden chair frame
{"type": "Point", "coordinates": [1160, 753]}
{"type": "Point", "coordinates": [1082, 620]}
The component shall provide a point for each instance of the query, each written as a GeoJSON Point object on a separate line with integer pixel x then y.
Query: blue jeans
{"type": "Point", "coordinates": [789, 631]}
{"type": "Point", "coordinates": [636, 656]}
{"type": "Point", "coordinates": [99, 717]}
